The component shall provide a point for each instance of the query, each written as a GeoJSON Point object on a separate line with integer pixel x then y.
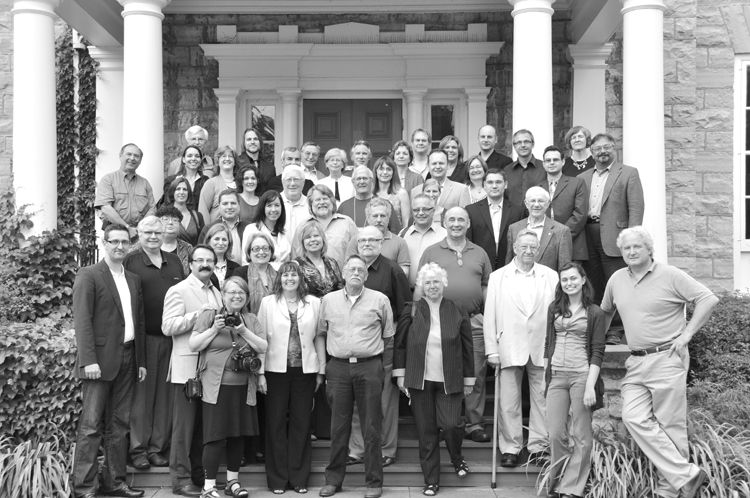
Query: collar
{"type": "Point", "coordinates": [375, 265]}
{"type": "Point", "coordinates": [540, 224]}
{"type": "Point", "coordinates": [531, 272]}
{"type": "Point", "coordinates": [603, 171]}
{"type": "Point", "coordinates": [127, 176]}
{"type": "Point", "coordinates": [413, 228]}
{"type": "Point", "coordinates": [469, 245]}
{"type": "Point", "coordinates": [530, 164]}
{"type": "Point", "coordinates": [147, 261]}
{"type": "Point", "coordinates": [347, 296]}
{"type": "Point", "coordinates": [222, 265]}
{"type": "Point", "coordinates": [556, 180]}
{"type": "Point", "coordinates": [226, 224]}
{"type": "Point", "coordinates": [651, 268]}
{"type": "Point", "coordinates": [492, 205]}
{"type": "Point", "coordinates": [197, 283]}
{"type": "Point", "coordinates": [302, 200]}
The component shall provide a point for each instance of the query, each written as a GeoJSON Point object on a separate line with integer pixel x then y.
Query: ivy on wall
{"type": "Point", "coordinates": [67, 129]}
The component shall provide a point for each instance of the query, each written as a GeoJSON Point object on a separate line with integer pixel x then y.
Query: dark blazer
{"type": "Point", "coordinates": [481, 233]}
{"type": "Point", "coordinates": [265, 168]}
{"type": "Point", "coordinates": [555, 247]}
{"type": "Point", "coordinates": [498, 160]}
{"type": "Point", "coordinates": [99, 321]}
{"type": "Point", "coordinates": [231, 267]}
{"type": "Point", "coordinates": [622, 204]}
{"type": "Point", "coordinates": [571, 207]}
{"type": "Point", "coordinates": [410, 345]}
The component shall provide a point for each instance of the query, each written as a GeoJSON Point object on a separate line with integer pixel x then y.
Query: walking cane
{"type": "Point", "coordinates": [493, 485]}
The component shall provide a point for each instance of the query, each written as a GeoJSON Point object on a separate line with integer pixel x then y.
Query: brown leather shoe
{"type": "Point", "coordinates": [329, 490]}
{"type": "Point", "coordinates": [373, 492]}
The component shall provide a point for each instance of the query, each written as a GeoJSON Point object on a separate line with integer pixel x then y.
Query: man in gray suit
{"type": "Point", "coordinates": [570, 200]}
{"type": "Point", "coordinates": [183, 304]}
{"type": "Point", "coordinates": [615, 203]}
{"type": "Point", "coordinates": [452, 194]}
{"type": "Point", "coordinates": [555, 243]}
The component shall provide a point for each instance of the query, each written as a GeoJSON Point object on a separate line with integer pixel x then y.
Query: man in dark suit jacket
{"type": "Point", "coordinates": [487, 140]}
{"type": "Point", "coordinates": [615, 203]}
{"type": "Point", "coordinates": [570, 200]}
{"type": "Point", "coordinates": [555, 243]}
{"type": "Point", "coordinates": [484, 231]}
{"type": "Point", "coordinates": [110, 336]}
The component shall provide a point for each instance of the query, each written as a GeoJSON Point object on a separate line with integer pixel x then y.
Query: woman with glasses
{"type": "Point", "coordinates": [227, 341]}
{"type": "Point", "coordinates": [578, 141]}
{"type": "Point", "coordinates": [180, 196]}
{"type": "Point", "coordinates": [171, 217]}
{"type": "Point", "coordinates": [270, 219]}
{"type": "Point", "coordinates": [476, 169]}
{"type": "Point", "coordinates": [289, 378]}
{"type": "Point", "coordinates": [258, 272]}
{"type": "Point", "coordinates": [340, 185]}
{"type": "Point", "coordinates": [208, 205]}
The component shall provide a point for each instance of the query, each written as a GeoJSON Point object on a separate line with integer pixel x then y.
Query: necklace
{"type": "Point", "coordinates": [579, 164]}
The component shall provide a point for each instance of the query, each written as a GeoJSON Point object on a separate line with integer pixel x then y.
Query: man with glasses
{"type": "Point", "coordinates": [354, 208]}
{"type": "Point", "coordinates": [422, 234]}
{"type": "Point", "coordinates": [515, 326]}
{"type": "Point", "coordinates": [183, 304]}
{"type": "Point", "coordinates": [608, 215]}
{"type": "Point", "coordinates": [151, 416]}
{"type": "Point", "coordinates": [526, 171]}
{"type": "Point", "coordinates": [555, 243]}
{"type": "Point", "coordinates": [356, 324]}
{"type": "Point", "coordinates": [491, 217]}
{"type": "Point", "coordinates": [385, 276]}
{"type": "Point", "coordinates": [468, 268]}
{"type": "Point", "coordinates": [290, 156]}
{"type": "Point", "coordinates": [377, 212]}
{"type": "Point", "coordinates": [109, 326]}
{"type": "Point", "coordinates": [310, 156]}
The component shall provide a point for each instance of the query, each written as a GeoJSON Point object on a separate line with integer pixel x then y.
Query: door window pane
{"type": "Point", "coordinates": [264, 119]}
{"type": "Point", "coordinates": [443, 123]}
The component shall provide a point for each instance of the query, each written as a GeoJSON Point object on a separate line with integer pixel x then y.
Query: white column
{"type": "Point", "coordinates": [289, 136]}
{"type": "Point", "coordinates": [109, 108]}
{"type": "Point", "coordinates": [143, 95]}
{"type": "Point", "coordinates": [34, 116]}
{"type": "Point", "coordinates": [414, 111]}
{"type": "Point", "coordinates": [228, 116]}
{"type": "Point", "coordinates": [532, 70]}
{"type": "Point", "coordinates": [643, 110]}
{"type": "Point", "coordinates": [476, 102]}
{"type": "Point", "coordinates": [589, 99]}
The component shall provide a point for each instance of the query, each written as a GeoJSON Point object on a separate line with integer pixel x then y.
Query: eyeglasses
{"type": "Point", "coordinates": [361, 179]}
{"type": "Point", "coordinates": [235, 293]}
{"type": "Point", "coordinates": [170, 221]}
{"type": "Point", "coordinates": [369, 241]}
{"type": "Point", "coordinates": [311, 154]}
{"type": "Point", "coordinates": [528, 248]}
{"type": "Point", "coordinates": [422, 210]}
{"type": "Point", "coordinates": [523, 142]}
{"type": "Point", "coordinates": [203, 261]}
{"type": "Point", "coordinates": [123, 243]}
{"type": "Point", "coordinates": [258, 249]}
{"type": "Point", "coordinates": [360, 271]}
{"type": "Point", "coordinates": [293, 180]}
{"type": "Point", "coordinates": [608, 148]}
{"type": "Point", "coordinates": [150, 233]}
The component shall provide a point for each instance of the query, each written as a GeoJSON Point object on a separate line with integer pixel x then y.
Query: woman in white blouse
{"type": "Point", "coordinates": [270, 219]}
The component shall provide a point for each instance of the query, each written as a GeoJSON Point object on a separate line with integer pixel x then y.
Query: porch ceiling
{"type": "Point", "coordinates": [99, 21]}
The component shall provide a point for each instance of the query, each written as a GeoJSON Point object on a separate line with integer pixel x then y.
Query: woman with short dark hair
{"type": "Point", "coordinates": [578, 142]}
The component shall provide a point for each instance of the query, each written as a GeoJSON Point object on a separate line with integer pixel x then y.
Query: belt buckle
{"type": "Point", "coordinates": [352, 359]}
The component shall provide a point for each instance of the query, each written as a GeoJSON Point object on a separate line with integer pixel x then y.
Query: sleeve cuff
{"type": "Point", "coordinates": [399, 372]}
{"type": "Point", "coordinates": [469, 381]}
{"type": "Point", "coordinates": [493, 354]}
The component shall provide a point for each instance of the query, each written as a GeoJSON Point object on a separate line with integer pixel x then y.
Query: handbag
{"type": "Point", "coordinates": [599, 390]}
{"type": "Point", "coordinates": [193, 388]}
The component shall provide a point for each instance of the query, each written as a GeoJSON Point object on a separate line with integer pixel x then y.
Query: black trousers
{"type": "Point", "coordinates": [288, 445]}
{"type": "Point", "coordinates": [434, 410]}
{"type": "Point", "coordinates": [599, 266]}
{"type": "Point", "coordinates": [185, 457]}
{"type": "Point", "coordinates": [361, 382]}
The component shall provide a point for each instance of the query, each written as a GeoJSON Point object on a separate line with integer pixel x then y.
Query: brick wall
{"type": "Point", "coordinates": [6, 92]}
{"type": "Point", "coordinates": [189, 78]}
{"type": "Point", "coordinates": [700, 40]}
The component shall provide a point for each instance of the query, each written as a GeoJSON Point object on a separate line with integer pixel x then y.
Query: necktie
{"type": "Point", "coordinates": [336, 193]}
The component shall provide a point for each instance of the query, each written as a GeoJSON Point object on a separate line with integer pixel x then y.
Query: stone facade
{"type": "Point", "coordinates": [6, 93]}
{"type": "Point", "coordinates": [701, 38]}
{"type": "Point", "coordinates": [189, 78]}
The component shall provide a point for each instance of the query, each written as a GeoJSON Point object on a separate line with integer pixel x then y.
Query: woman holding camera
{"type": "Point", "coordinates": [231, 342]}
{"type": "Point", "coordinates": [292, 372]}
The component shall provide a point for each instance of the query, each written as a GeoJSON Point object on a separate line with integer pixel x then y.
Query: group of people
{"type": "Point", "coordinates": [302, 303]}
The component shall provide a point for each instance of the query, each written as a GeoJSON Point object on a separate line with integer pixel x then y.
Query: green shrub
{"type": "Point", "coordinates": [724, 404]}
{"type": "Point", "coordinates": [720, 352]}
{"type": "Point", "coordinates": [39, 395]}
{"type": "Point", "coordinates": [35, 468]}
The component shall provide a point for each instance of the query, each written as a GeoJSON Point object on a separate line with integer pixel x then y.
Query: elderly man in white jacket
{"type": "Point", "coordinates": [515, 321]}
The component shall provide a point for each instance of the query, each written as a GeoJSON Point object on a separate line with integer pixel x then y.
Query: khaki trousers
{"type": "Point", "coordinates": [511, 421]}
{"type": "Point", "coordinates": [654, 410]}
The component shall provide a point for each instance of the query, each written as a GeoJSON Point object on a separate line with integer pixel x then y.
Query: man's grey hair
{"type": "Point", "coordinates": [432, 268]}
{"type": "Point", "coordinates": [537, 191]}
{"type": "Point", "coordinates": [423, 196]}
{"type": "Point", "coordinates": [527, 231]}
{"type": "Point", "coordinates": [378, 202]}
{"type": "Point", "coordinates": [194, 130]}
{"type": "Point", "coordinates": [292, 168]}
{"type": "Point", "coordinates": [648, 241]}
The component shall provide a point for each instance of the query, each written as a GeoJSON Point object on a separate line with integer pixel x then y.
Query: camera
{"type": "Point", "coordinates": [232, 319]}
{"type": "Point", "coordinates": [245, 359]}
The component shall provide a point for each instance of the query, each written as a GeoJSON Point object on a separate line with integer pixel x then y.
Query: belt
{"type": "Point", "coordinates": [128, 345]}
{"type": "Point", "coordinates": [654, 350]}
{"type": "Point", "coordinates": [357, 360]}
{"type": "Point", "coordinates": [592, 221]}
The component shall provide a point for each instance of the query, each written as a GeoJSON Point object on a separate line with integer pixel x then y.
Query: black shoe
{"type": "Point", "coordinates": [157, 460]}
{"type": "Point", "coordinates": [508, 460]}
{"type": "Point", "coordinates": [353, 460]}
{"type": "Point", "coordinates": [478, 436]}
{"type": "Point", "coordinates": [140, 462]}
{"type": "Point", "coordinates": [188, 490]}
{"type": "Point", "coordinates": [125, 491]}
{"type": "Point", "coordinates": [613, 339]}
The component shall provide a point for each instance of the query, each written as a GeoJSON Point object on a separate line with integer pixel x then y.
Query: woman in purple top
{"type": "Point", "coordinates": [573, 353]}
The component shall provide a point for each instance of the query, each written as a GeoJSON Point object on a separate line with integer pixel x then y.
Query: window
{"type": "Point", "coordinates": [443, 123]}
{"type": "Point", "coordinates": [263, 118]}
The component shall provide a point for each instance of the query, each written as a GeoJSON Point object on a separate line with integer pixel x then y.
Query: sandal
{"type": "Point", "coordinates": [235, 489]}
{"type": "Point", "coordinates": [387, 461]}
{"type": "Point", "coordinates": [278, 491]}
{"type": "Point", "coordinates": [300, 490]}
{"type": "Point", "coordinates": [430, 489]}
{"type": "Point", "coordinates": [462, 470]}
{"type": "Point", "coordinates": [209, 493]}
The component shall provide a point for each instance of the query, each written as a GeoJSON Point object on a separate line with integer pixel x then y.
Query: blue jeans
{"type": "Point", "coordinates": [106, 404]}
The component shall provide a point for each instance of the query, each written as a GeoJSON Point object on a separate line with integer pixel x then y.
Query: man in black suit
{"type": "Point", "coordinates": [110, 328]}
{"type": "Point", "coordinates": [491, 217]}
{"type": "Point", "coordinates": [570, 200]}
{"type": "Point", "coordinates": [487, 141]}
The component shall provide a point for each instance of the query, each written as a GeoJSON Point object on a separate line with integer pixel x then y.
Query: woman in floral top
{"type": "Point", "coordinates": [321, 273]}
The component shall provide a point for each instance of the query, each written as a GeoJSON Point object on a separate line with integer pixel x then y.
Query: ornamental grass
{"type": "Point", "coordinates": [34, 468]}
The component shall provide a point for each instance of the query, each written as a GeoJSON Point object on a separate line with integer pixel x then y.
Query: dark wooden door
{"type": "Point", "coordinates": [341, 122]}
